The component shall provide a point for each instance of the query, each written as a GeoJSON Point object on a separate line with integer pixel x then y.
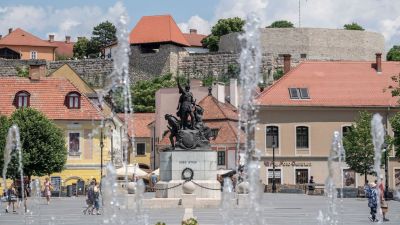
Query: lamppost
{"type": "Point", "coordinates": [102, 143]}
{"type": "Point", "coordinates": [101, 152]}
{"type": "Point", "coordinates": [385, 145]}
{"type": "Point", "coordinates": [273, 165]}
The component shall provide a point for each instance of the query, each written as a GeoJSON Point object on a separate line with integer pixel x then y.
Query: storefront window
{"type": "Point", "coordinates": [278, 177]}
{"type": "Point", "coordinates": [301, 176]}
{"type": "Point", "coordinates": [397, 178]}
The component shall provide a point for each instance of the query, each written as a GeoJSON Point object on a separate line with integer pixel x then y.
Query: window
{"type": "Point", "coordinates": [302, 137]}
{"type": "Point", "coordinates": [272, 136]}
{"type": "Point", "coordinates": [301, 176]}
{"type": "Point", "coordinates": [73, 145]}
{"type": "Point", "coordinates": [349, 178]}
{"type": "Point", "coordinates": [345, 130]}
{"type": "Point", "coordinates": [22, 99]}
{"type": "Point", "coordinates": [221, 158]}
{"type": "Point", "coordinates": [303, 56]}
{"type": "Point", "coordinates": [33, 55]}
{"type": "Point", "coordinates": [140, 149]}
{"type": "Point", "coordinates": [278, 177]}
{"type": "Point", "coordinates": [73, 100]}
{"type": "Point", "coordinates": [149, 48]}
{"type": "Point", "coordinates": [214, 132]}
{"type": "Point", "coordinates": [299, 93]}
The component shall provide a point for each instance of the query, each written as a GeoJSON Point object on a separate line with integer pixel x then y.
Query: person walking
{"type": "Point", "coordinates": [153, 180]}
{"type": "Point", "coordinates": [372, 195]}
{"type": "Point", "coordinates": [47, 190]}
{"type": "Point", "coordinates": [96, 192]}
{"type": "Point", "coordinates": [11, 198]}
{"type": "Point", "coordinates": [311, 185]}
{"type": "Point", "coordinates": [90, 201]}
{"type": "Point", "coordinates": [384, 205]}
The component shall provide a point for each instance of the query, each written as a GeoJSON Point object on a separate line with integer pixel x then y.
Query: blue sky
{"type": "Point", "coordinates": [77, 17]}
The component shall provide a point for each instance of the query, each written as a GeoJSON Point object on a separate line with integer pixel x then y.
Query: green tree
{"type": "Point", "coordinates": [395, 124]}
{"type": "Point", "coordinates": [81, 48]}
{"type": "Point", "coordinates": [3, 135]}
{"type": "Point", "coordinates": [353, 26]}
{"type": "Point", "coordinates": [394, 53]}
{"type": "Point", "coordinates": [281, 24]}
{"type": "Point", "coordinates": [222, 27]}
{"type": "Point", "coordinates": [42, 142]}
{"type": "Point", "coordinates": [358, 145]}
{"type": "Point", "coordinates": [102, 35]}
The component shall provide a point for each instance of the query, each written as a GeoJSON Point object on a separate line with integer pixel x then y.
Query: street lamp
{"type": "Point", "coordinates": [273, 165]}
{"type": "Point", "coordinates": [385, 146]}
{"type": "Point", "coordinates": [102, 144]}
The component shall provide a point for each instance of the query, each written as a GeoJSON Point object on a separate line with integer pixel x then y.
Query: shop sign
{"type": "Point", "coordinates": [287, 164]}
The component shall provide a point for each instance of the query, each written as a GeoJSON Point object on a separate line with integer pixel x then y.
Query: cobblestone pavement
{"type": "Point", "coordinates": [278, 209]}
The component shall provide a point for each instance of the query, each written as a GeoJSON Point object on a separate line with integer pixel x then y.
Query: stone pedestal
{"type": "Point", "coordinates": [188, 200]}
{"type": "Point", "coordinates": [204, 166]}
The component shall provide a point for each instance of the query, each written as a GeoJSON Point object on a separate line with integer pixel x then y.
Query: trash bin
{"type": "Point", "coordinates": [69, 191]}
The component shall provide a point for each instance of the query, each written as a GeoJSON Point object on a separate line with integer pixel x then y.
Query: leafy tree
{"type": "Point", "coordinates": [102, 35]}
{"type": "Point", "coordinates": [359, 147]}
{"type": "Point", "coordinates": [353, 26]}
{"type": "Point", "coordinates": [81, 48]}
{"type": "Point", "coordinates": [281, 24]}
{"type": "Point", "coordinates": [42, 142]}
{"type": "Point", "coordinates": [277, 74]}
{"type": "Point", "coordinates": [394, 53]}
{"type": "Point", "coordinates": [395, 124]}
{"type": "Point", "coordinates": [3, 135]}
{"type": "Point", "coordinates": [223, 26]}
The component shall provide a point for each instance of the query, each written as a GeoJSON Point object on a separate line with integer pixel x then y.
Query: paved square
{"type": "Point", "coordinates": [278, 209]}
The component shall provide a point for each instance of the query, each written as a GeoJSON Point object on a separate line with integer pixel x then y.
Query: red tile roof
{"type": "Point", "coordinates": [194, 40]}
{"type": "Point", "coordinates": [64, 49]}
{"type": "Point", "coordinates": [21, 37]}
{"type": "Point", "coordinates": [215, 110]}
{"type": "Point", "coordinates": [48, 96]}
{"type": "Point", "coordinates": [157, 29]}
{"type": "Point", "coordinates": [137, 126]}
{"type": "Point", "coordinates": [335, 84]}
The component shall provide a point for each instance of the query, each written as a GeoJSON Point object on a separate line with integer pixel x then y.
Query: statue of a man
{"type": "Point", "coordinates": [185, 106]}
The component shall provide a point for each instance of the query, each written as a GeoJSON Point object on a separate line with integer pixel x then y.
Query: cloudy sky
{"type": "Point", "coordinates": [77, 17]}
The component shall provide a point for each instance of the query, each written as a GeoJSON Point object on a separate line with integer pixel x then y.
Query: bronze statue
{"type": "Point", "coordinates": [185, 106]}
{"type": "Point", "coordinates": [173, 127]}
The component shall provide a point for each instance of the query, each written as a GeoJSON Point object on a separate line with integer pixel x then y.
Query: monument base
{"type": "Point", "coordinates": [209, 189]}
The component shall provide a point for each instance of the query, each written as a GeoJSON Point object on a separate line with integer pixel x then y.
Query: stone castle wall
{"type": "Point", "coordinates": [314, 43]}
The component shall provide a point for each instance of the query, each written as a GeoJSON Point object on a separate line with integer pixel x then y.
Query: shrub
{"type": "Point", "coordinates": [191, 221]}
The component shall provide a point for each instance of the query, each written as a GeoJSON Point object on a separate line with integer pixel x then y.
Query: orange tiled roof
{"type": "Point", "coordinates": [215, 110]}
{"type": "Point", "coordinates": [48, 96]}
{"type": "Point", "coordinates": [335, 84]}
{"type": "Point", "coordinates": [64, 49]}
{"type": "Point", "coordinates": [194, 40]}
{"type": "Point", "coordinates": [138, 124]}
{"type": "Point", "coordinates": [156, 29]}
{"type": "Point", "coordinates": [21, 37]}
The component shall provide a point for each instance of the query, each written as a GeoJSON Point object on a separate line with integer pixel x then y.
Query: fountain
{"type": "Point", "coordinates": [378, 137]}
{"type": "Point", "coordinates": [250, 60]}
{"type": "Point", "coordinates": [337, 155]}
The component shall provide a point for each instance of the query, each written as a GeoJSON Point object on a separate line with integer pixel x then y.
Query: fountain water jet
{"type": "Point", "coordinates": [337, 155]}
{"type": "Point", "coordinates": [378, 138]}
{"type": "Point", "coordinates": [250, 61]}
{"type": "Point", "coordinates": [227, 207]}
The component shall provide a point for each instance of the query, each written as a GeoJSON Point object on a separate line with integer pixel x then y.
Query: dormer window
{"type": "Point", "coordinates": [299, 93]}
{"type": "Point", "coordinates": [73, 100]}
{"type": "Point", "coordinates": [22, 99]}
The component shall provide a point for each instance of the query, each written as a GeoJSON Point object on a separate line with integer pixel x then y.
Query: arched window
{"type": "Point", "coordinates": [22, 99]}
{"type": "Point", "coordinates": [73, 100]}
{"type": "Point", "coordinates": [302, 137]}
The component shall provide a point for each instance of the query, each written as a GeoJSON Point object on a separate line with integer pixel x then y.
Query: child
{"type": "Point", "coordinates": [372, 195]}
{"type": "Point", "coordinates": [12, 198]}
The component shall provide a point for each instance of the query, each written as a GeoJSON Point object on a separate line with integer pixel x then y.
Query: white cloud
{"type": "Point", "coordinates": [241, 8]}
{"type": "Point", "coordinates": [196, 22]}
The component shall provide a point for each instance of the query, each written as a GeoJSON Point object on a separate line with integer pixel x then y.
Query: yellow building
{"type": "Point", "coordinates": [72, 110]}
{"type": "Point", "coordinates": [19, 44]}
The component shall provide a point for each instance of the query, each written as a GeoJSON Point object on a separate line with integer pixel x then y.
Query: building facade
{"type": "Point", "coordinates": [300, 113]}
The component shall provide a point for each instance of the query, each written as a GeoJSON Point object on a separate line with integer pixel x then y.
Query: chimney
{"type": "Point", "coordinates": [51, 37]}
{"type": "Point", "coordinates": [1, 36]}
{"type": "Point", "coordinates": [192, 31]}
{"type": "Point", "coordinates": [10, 30]}
{"type": "Point", "coordinates": [37, 69]}
{"type": "Point", "coordinates": [67, 39]}
{"type": "Point", "coordinates": [378, 62]}
{"type": "Point", "coordinates": [286, 63]}
{"type": "Point", "coordinates": [218, 92]}
{"type": "Point", "coordinates": [233, 92]}
{"type": "Point", "coordinates": [79, 38]}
